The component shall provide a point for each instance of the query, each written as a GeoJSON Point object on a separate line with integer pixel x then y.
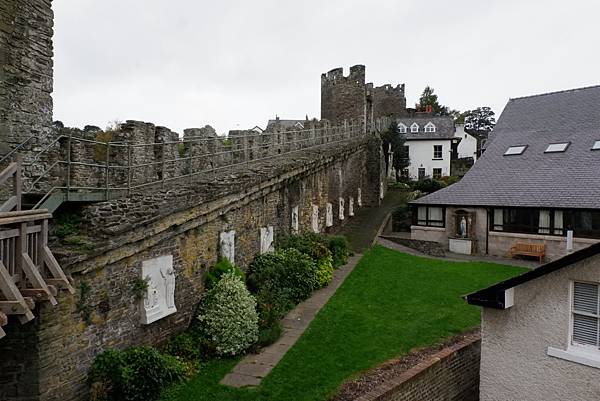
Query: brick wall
{"type": "Point", "coordinates": [450, 375]}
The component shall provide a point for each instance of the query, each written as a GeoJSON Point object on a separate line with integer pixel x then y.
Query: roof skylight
{"type": "Point", "coordinates": [596, 145]}
{"type": "Point", "coordinates": [557, 147]}
{"type": "Point", "coordinates": [515, 150]}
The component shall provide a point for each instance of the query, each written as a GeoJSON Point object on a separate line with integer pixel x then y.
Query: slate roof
{"type": "Point", "coordinates": [285, 124]}
{"type": "Point", "coordinates": [534, 178]}
{"type": "Point", "coordinates": [444, 127]}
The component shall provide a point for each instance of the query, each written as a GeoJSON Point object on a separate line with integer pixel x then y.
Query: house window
{"type": "Point", "coordinates": [586, 315]}
{"type": "Point", "coordinates": [596, 145]}
{"type": "Point", "coordinates": [402, 128]}
{"type": "Point", "coordinates": [421, 173]}
{"type": "Point", "coordinates": [404, 173]}
{"type": "Point", "coordinates": [414, 127]}
{"type": "Point", "coordinates": [557, 147]}
{"type": "Point", "coordinates": [583, 223]}
{"type": "Point", "coordinates": [430, 127]}
{"type": "Point", "coordinates": [437, 173]}
{"type": "Point", "coordinates": [515, 150]}
{"type": "Point", "coordinates": [430, 216]}
{"type": "Point", "coordinates": [437, 152]}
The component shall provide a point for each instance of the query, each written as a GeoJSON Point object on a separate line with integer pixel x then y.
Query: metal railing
{"type": "Point", "coordinates": [118, 168]}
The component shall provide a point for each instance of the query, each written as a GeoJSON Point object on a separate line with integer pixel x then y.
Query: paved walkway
{"type": "Point", "coordinates": [454, 257]}
{"type": "Point", "coordinates": [253, 368]}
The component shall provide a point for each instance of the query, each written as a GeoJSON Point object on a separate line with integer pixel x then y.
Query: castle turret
{"type": "Point", "coordinates": [389, 101]}
{"type": "Point", "coordinates": [343, 98]}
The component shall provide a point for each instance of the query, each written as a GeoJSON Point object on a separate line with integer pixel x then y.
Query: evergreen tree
{"type": "Point", "coordinates": [429, 98]}
{"type": "Point", "coordinates": [393, 141]}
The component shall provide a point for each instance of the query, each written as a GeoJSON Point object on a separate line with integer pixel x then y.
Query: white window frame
{"type": "Point", "coordinates": [441, 153]}
{"type": "Point", "coordinates": [414, 127]}
{"type": "Point", "coordinates": [515, 150]}
{"type": "Point", "coordinates": [583, 354]}
{"type": "Point", "coordinates": [430, 127]}
{"type": "Point", "coordinates": [402, 128]}
{"type": "Point", "coordinates": [557, 147]}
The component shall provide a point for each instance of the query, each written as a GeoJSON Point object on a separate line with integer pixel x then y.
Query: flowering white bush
{"type": "Point", "coordinates": [228, 316]}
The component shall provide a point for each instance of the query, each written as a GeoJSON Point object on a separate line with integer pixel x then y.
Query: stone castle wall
{"type": "Point", "coordinates": [389, 101]}
{"type": "Point", "coordinates": [26, 65]}
{"type": "Point", "coordinates": [185, 223]}
{"type": "Point", "coordinates": [343, 98]}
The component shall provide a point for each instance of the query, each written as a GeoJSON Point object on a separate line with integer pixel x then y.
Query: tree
{"type": "Point", "coordinates": [429, 98]}
{"type": "Point", "coordinates": [480, 119]}
{"type": "Point", "coordinates": [393, 142]}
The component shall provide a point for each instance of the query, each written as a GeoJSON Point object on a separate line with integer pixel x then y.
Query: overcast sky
{"type": "Point", "coordinates": [235, 64]}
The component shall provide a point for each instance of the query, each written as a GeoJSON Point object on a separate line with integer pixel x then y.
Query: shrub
{"type": "Point", "coordinates": [288, 273]}
{"type": "Point", "coordinates": [399, 185]}
{"type": "Point", "coordinates": [228, 316]}
{"type": "Point", "coordinates": [315, 246]}
{"type": "Point", "coordinates": [215, 273]}
{"type": "Point", "coordinates": [340, 250]}
{"type": "Point", "coordinates": [187, 346]}
{"type": "Point", "coordinates": [401, 218]}
{"type": "Point", "coordinates": [271, 308]}
{"type": "Point", "coordinates": [428, 185]}
{"type": "Point", "coordinates": [138, 373]}
{"type": "Point", "coordinates": [450, 179]}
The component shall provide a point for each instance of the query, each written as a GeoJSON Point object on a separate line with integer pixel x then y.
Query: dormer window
{"type": "Point", "coordinates": [430, 127]}
{"type": "Point", "coordinates": [596, 145]}
{"type": "Point", "coordinates": [402, 128]}
{"type": "Point", "coordinates": [557, 147]}
{"type": "Point", "coordinates": [515, 150]}
{"type": "Point", "coordinates": [414, 127]}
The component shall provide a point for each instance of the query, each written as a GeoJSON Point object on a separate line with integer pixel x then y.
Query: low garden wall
{"type": "Point", "coordinates": [450, 375]}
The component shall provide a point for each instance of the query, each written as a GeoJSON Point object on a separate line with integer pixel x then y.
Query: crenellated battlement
{"type": "Point", "coordinates": [356, 75]}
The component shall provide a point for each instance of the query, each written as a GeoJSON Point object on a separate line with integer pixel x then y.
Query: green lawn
{"type": "Point", "coordinates": [391, 303]}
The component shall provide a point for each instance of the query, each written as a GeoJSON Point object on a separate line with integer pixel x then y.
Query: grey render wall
{"type": "Point", "coordinates": [514, 363]}
{"type": "Point", "coordinates": [26, 68]}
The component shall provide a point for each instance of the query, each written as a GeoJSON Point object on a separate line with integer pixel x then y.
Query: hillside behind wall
{"type": "Point", "coordinates": [26, 71]}
{"type": "Point", "coordinates": [49, 358]}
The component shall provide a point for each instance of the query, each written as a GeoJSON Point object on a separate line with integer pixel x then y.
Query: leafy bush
{"type": "Point", "coordinates": [138, 373]}
{"type": "Point", "coordinates": [399, 185]}
{"type": "Point", "coordinates": [217, 271]}
{"type": "Point", "coordinates": [187, 346]}
{"type": "Point", "coordinates": [228, 316]}
{"type": "Point", "coordinates": [288, 273]}
{"type": "Point", "coordinates": [401, 218]}
{"type": "Point", "coordinates": [450, 179]}
{"type": "Point", "coordinates": [315, 246]}
{"type": "Point", "coordinates": [428, 185]}
{"type": "Point", "coordinates": [271, 308]}
{"type": "Point", "coordinates": [340, 249]}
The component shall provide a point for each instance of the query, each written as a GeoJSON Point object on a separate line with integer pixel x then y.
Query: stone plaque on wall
{"type": "Point", "coordinates": [351, 207]}
{"type": "Point", "coordinates": [315, 218]}
{"type": "Point", "coordinates": [295, 220]}
{"type": "Point", "coordinates": [329, 215]}
{"type": "Point", "coordinates": [359, 197]}
{"type": "Point", "coordinates": [227, 245]}
{"type": "Point", "coordinates": [159, 300]}
{"type": "Point", "coordinates": [266, 239]}
{"type": "Point", "coordinates": [381, 190]}
{"type": "Point", "coordinates": [341, 211]}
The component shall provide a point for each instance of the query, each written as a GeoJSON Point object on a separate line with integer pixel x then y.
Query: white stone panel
{"type": "Point", "coordinates": [359, 197]}
{"type": "Point", "coordinates": [295, 220]}
{"type": "Point", "coordinates": [315, 218]}
{"type": "Point", "coordinates": [227, 245]}
{"type": "Point", "coordinates": [159, 300]}
{"type": "Point", "coordinates": [266, 239]}
{"type": "Point", "coordinates": [329, 215]}
{"type": "Point", "coordinates": [341, 209]}
{"type": "Point", "coordinates": [351, 207]}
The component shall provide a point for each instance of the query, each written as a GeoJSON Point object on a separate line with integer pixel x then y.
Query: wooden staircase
{"type": "Point", "coordinates": [29, 273]}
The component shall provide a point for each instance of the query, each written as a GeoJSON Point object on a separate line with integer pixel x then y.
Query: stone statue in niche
{"type": "Point", "coordinates": [341, 214]}
{"type": "Point", "coordinates": [227, 245]}
{"type": "Point", "coordinates": [329, 215]}
{"type": "Point", "coordinates": [359, 197]}
{"type": "Point", "coordinates": [462, 230]}
{"type": "Point", "coordinates": [351, 207]}
{"type": "Point", "coordinates": [315, 218]}
{"type": "Point", "coordinates": [266, 239]}
{"type": "Point", "coordinates": [295, 220]}
{"type": "Point", "coordinates": [159, 300]}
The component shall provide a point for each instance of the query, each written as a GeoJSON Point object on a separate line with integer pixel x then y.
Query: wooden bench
{"type": "Point", "coordinates": [525, 249]}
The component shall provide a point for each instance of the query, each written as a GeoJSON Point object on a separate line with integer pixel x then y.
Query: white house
{"type": "Point", "coordinates": [468, 143]}
{"type": "Point", "coordinates": [429, 142]}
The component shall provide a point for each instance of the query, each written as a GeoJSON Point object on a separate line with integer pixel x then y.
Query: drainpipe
{"type": "Point", "coordinates": [487, 230]}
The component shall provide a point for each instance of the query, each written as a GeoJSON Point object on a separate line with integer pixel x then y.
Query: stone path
{"type": "Point", "coordinates": [458, 258]}
{"type": "Point", "coordinates": [253, 368]}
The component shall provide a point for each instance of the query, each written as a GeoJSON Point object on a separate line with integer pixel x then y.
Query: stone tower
{"type": "Point", "coordinates": [389, 101]}
{"type": "Point", "coordinates": [26, 68]}
{"type": "Point", "coordinates": [344, 98]}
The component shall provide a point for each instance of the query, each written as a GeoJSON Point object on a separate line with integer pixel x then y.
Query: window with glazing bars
{"type": "Point", "coordinates": [586, 315]}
